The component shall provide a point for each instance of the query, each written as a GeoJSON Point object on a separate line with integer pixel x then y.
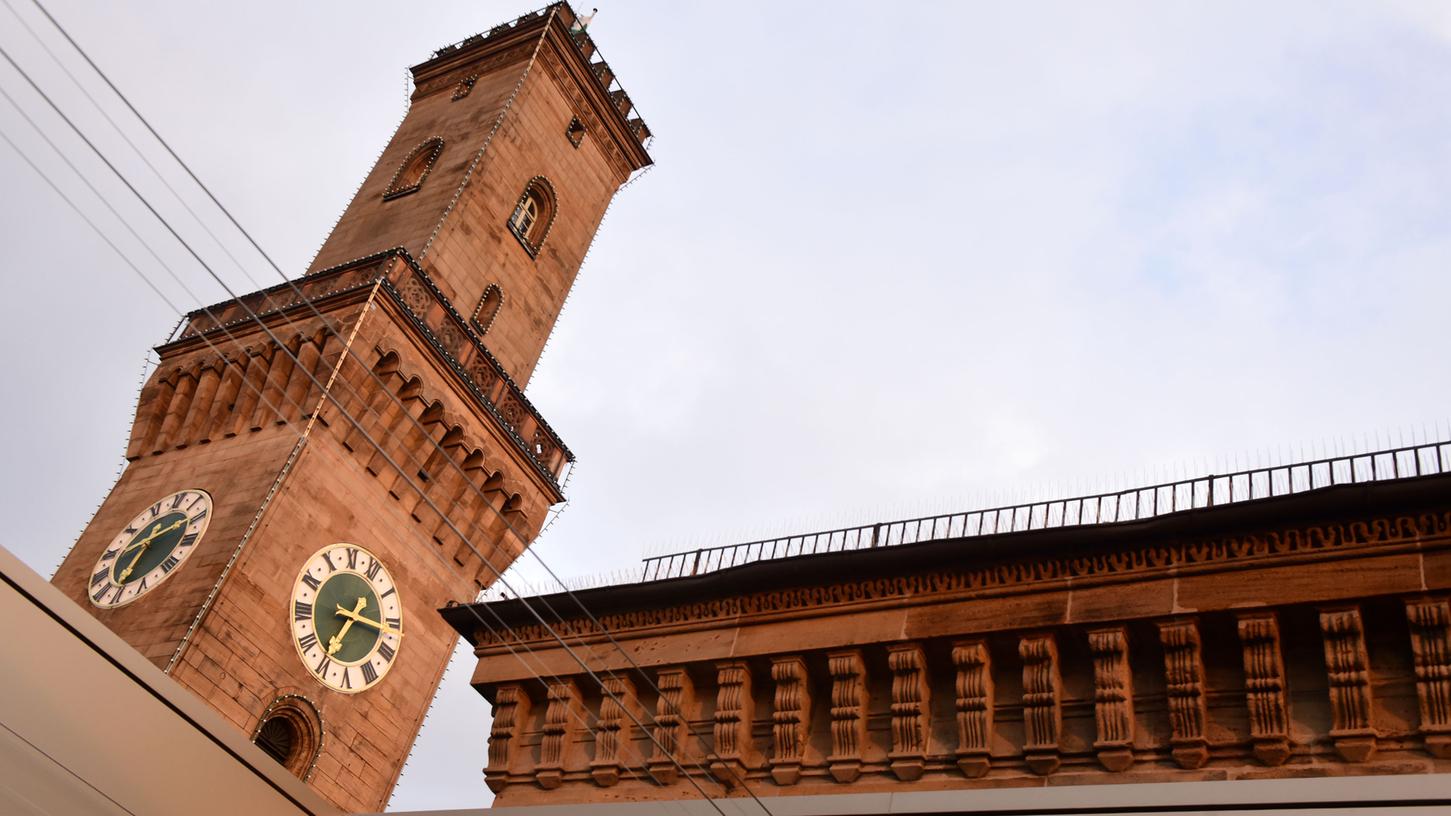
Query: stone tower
{"type": "Point", "coordinates": [314, 466]}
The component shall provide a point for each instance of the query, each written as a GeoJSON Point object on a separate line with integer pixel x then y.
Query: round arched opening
{"type": "Point", "coordinates": [290, 732]}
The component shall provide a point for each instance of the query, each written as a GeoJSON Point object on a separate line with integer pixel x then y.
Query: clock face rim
{"type": "Point", "coordinates": [138, 521]}
{"type": "Point", "coordinates": [396, 643]}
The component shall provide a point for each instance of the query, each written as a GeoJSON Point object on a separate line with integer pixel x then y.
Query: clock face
{"type": "Point", "coordinates": [347, 618]}
{"type": "Point", "coordinates": [150, 548]}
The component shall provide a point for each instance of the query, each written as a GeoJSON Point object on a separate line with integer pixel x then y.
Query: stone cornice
{"type": "Point", "coordinates": [1332, 523]}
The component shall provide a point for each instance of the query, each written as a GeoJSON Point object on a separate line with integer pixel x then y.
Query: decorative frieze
{"type": "Point", "coordinates": [848, 714]}
{"type": "Point", "coordinates": [511, 713]}
{"type": "Point", "coordinates": [1042, 712]}
{"type": "Point", "coordinates": [911, 698]}
{"type": "Point", "coordinates": [1113, 698]}
{"type": "Point", "coordinates": [561, 718]}
{"type": "Point", "coordinates": [673, 709]}
{"type": "Point", "coordinates": [1430, 622]}
{"type": "Point", "coordinates": [1184, 687]}
{"type": "Point", "coordinates": [974, 686]}
{"type": "Point", "coordinates": [1347, 668]}
{"type": "Point", "coordinates": [1264, 683]}
{"type": "Point", "coordinates": [790, 718]}
{"type": "Point", "coordinates": [734, 710]}
{"type": "Point", "coordinates": [619, 710]}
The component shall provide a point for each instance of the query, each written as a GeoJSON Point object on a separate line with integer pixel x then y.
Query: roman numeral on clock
{"type": "Point", "coordinates": [155, 509]}
{"type": "Point", "coordinates": [100, 593]}
{"type": "Point", "coordinates": [347, 678]}
{"type": "Point", "coordinates": [392, 623]}
{"type": "Point", "coordinates": [301, 610]}
{"type": "Point", "coordinates": [373, 570]}
{"type": "Point", "coordinates": [186, 541]}
{"type": "Point", "coordinates": [322, 666]}
{"type": "Point", "coordinates": [386, 652]}
{"type": "Point", "coordinates": [197, 517]}
{"type": "Point", "coordinates": [100, 576]}
{"type": "Point", "coordinates": [307, 641]}
{"type": "Point", "coordinates": [169, 564]}
{"type": "Point", "coordinates": [370, 674]}
{"type": "Point", "coordinates": [352, 558]}
{"type": "Point", "coordinates": [311, 581]}
{"type": "Point", "coordinates": [176, 502]}
{"type": "Point", "coordinates": [109, 554]}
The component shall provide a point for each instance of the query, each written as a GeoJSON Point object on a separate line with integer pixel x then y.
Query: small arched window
{"type": "Point", "coordinates": [291, 733]}
{"type": "Point", "coordinates": [488, 309]}
{"type": "Point", "coordinates": [534, 214]}
{"type": "Point", "coordinates": [414, 169]}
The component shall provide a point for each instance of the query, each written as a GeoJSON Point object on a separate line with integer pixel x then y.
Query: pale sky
{"type": "Point", "coordinates": [893, 259]}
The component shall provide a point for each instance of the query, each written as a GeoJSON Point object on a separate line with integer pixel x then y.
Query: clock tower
{"type": "Point", "coordinates": [317, 467]}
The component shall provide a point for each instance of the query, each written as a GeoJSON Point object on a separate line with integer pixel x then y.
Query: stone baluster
{"type": "Point", "coordinates": [613, 732]}
{"type": "Point", "coordinates": [561, 717]}
{"type": "Point", "coordinates": [790, 718]}
{"type": "Point", "coordinates": [1348, 669]}
{"type": "Point", "coordinates": [1113, 698]}
{"type": "Point", "coordinates": [1184, 687]}
{"type": "Point", "coordinates": [1042, 712]}
{"type": "Point", "coordinates": [910, 710]}
{"type": "Point", "coordinates": [734, 711]}
{"type": "Point", "coordinates": [974, 707]}
{"type": "Point", "coordinates": [1264, 682]}
{"type": "Point", "coordinates": [1430, 622]}
{"type": "Point", "coordinates": [511, 712]}
{"type": "Point", "coordinates": [673, 710]}
{"type": "Point", "coordinates": [848, 714]}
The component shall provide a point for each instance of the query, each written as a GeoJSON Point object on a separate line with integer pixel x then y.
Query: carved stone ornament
{"type": "Point", "coordinates": [1430, 622]}
{"type": "Point", "coordinates": [614, 730]}
{"type": "Point", "coordinates": [561, 719]}
{"type": "Point", "coordinates": [1113, 698]}
{"type": "Point", "coordinates": [1264, 683]}
{"type": "Point", "coordinates": [848, 715]}
{"type": "Point", "coordinates": [734, 710]}
{"type": "Point", "coordinates": [673, 710]}
{"type": "Point", "coordinates": [790, 718]}
{"type": "Point", "coordinates": [911, 700]}
{"type": "Point", "coordinates": [1042, 714]}
{"type": "Point", "coordinates": [974, 685]}
{"type": "Point", "coordinates": [1184, 687]}
{"type": "Point", "coordinates": [1347, 668]}
{"type": "Point", "coordinates": [511, 712]}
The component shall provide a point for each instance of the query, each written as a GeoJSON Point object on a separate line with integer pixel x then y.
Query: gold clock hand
{"type": "Point", "coordinates": [369, 621]}
{"type": "Point", "coordinates": [143, 544]}
{"type": "Point", "coordinates": [336, 641]}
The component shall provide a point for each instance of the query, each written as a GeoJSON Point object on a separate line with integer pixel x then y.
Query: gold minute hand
{"type": "Point", "coordinates": [353, 616]}
{"type": "Point", "coordinates": [336, 641]}
{"type": "Point", "coordinates": [143, 544]}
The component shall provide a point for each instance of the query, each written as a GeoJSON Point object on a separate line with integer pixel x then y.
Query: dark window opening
{"type": "Point", "coordinates": [575, 132]}
{"type": "Point", "coordinates": [277, 739]}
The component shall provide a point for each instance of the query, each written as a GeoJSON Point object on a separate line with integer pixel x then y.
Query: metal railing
{"type": "Point", "coordinates": [1134, 504]}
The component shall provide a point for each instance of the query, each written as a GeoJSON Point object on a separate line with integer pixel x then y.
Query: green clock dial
{"type": "Point", "coordinates": [150, 548]}
{"type": "Point", "coordinates": [347, 618]}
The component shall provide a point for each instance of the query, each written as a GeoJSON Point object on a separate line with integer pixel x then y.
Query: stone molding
{"type": "Point", "coordinates": [1181, 557]}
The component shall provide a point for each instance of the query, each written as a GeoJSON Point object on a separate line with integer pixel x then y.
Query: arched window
{"type": "Point", "coordinates": [414, 169]}
{"type": "Point", "coordinates": [534, 214]}
{"type": "Point", "coordinates": [488, 309]}
{"type": "Point", "coordinates": [291, 733]}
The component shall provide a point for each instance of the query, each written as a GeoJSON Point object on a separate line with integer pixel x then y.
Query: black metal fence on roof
{"type": "Point", "coordinates": [1133, 504]}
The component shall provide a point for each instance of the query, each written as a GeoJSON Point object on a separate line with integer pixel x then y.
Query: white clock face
{"type": "Point", "coordinates": [150, 548]}
{"type": "Point", "coordinates": [346, 618]}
